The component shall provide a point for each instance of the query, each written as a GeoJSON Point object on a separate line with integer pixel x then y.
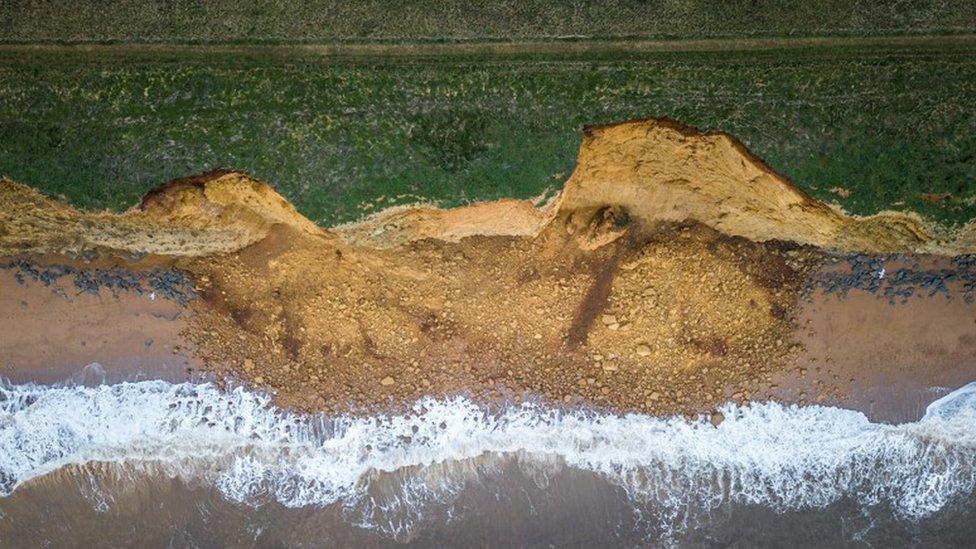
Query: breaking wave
{"type": "Point", "coordinates": [781, 457]}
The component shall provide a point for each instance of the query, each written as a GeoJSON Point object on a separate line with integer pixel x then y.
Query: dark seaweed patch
{"type": "Point", "coordinates": [167, 283]}
{"type": "Point", "coordinates": [869, 273]}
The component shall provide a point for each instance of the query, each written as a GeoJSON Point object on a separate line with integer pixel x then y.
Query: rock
{"type": "Point", "coordinates": [655, 395]}
{"type": "Point", "coordinates": [613, 326]}
{"type": "Point", "coordinates": [259, 380]}
{"type": "Point", "coordinates": [248, 365]}
{"type": "Point", "coordinates": [387, 381]}
{"type": "Point", "coordinates": [717, 418]}
{"type": "Point", "coordinates": [609, 367]}
{"type": "Point", "coordinates": [643, 350]}
{"type": "Point", "coordinates": [609, 319]}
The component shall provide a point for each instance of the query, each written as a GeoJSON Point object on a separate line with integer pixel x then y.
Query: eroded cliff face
{"type": "Point", "coordinates": [664, 278]}
{"type": "Point", "coordinates": [661, 171]}
{"type": "Point", "coordinates": [651, 171]}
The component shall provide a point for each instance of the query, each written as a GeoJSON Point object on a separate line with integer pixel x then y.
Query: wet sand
{"type": "Point", "coordinates": [52, 333]}
{"type": "Point", "coordinates": [887, 360]}
{"type": "Point", "coordinates": [888, 357]}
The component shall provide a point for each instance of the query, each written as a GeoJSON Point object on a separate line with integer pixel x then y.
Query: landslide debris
{"type": "Point", "coordinates": [662, 279]}
{"type": "Point", "coordinates": [678, 318]}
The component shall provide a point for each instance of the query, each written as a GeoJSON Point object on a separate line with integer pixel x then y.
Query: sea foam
{"type": "Point", "coordinates": [782, 457]}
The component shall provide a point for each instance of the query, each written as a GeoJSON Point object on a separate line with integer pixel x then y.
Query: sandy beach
{"type": "Point", "coordinates": [55, 331]}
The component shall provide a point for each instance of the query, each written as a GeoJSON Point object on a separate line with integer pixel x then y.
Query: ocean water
{"type": "Point", "coordinates": [155, 463]}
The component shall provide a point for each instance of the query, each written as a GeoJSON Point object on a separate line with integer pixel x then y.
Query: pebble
{"type": "Point", "coordinates": [717, 418]}
{"type": "Point", "coordinates": [387, 381]}
{"type": "Point", "coordinates": [643, 350]}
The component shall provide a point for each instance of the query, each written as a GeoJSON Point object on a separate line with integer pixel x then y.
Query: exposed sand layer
{"type": "Point", "coordinates": [663, 171]}
{"type": "Point", "coordinates": [669, 276]}
{"type": "Point", "coordinates": [396, 226]}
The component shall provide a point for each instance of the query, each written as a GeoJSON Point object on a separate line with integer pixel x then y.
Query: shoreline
{"type": "Point", "coordinates": [349, 476]}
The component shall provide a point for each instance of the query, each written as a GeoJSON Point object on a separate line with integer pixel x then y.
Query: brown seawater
{"type": "Point", "coordinates": [156, 463]}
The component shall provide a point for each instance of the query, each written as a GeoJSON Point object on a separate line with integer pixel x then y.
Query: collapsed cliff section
{"type": "Point", "coordinates": [653, 171]}
{"type": "Point", "coordinates": [676, 318]}
{"type": "Point", "coordinates": [663, 278]}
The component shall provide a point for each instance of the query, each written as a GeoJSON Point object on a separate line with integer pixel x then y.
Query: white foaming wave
{"type": "Point", "coordinates": [784, 457]}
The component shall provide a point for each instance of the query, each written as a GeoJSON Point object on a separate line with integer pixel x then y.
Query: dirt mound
{"type": "Point", "coordinates": [211, 213]}
{"type": "Point", "coordinates": [680, 318]}
{"type": "Point", "coordinates": [659, 170]}
{"type": "Point", "coordinates": [223, 199]}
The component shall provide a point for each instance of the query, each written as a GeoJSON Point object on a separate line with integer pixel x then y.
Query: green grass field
{"type": "Point", "coordinates": [341, 137]}
{"type": "Point", "coordinates": [297, 21]}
